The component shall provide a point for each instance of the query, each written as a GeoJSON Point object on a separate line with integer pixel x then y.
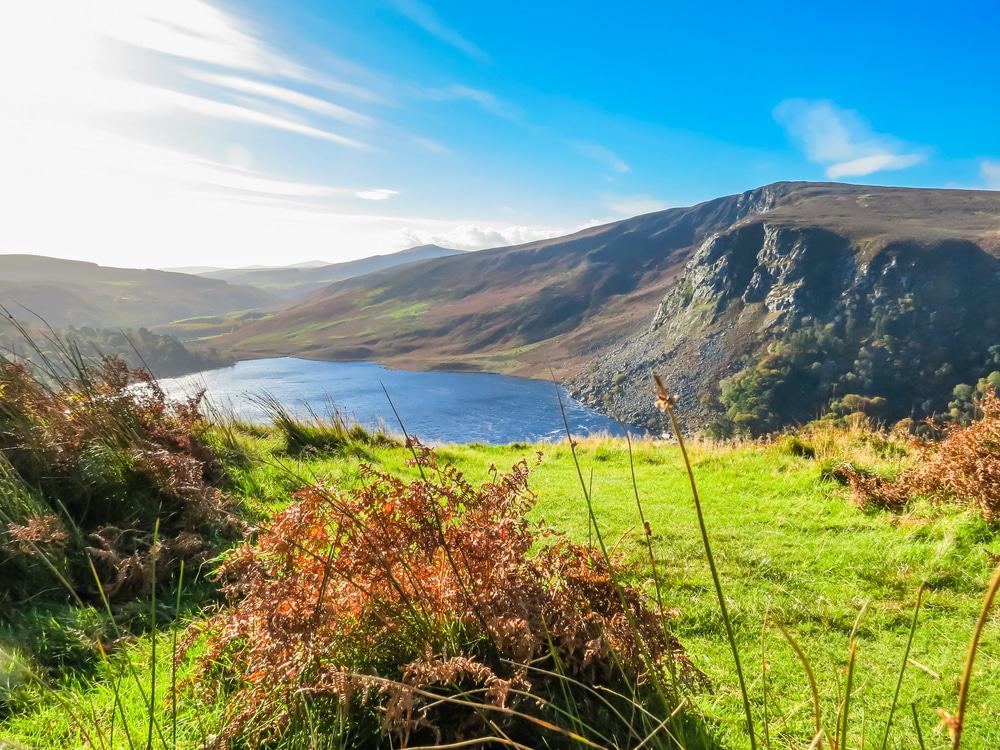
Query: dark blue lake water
{"type": "Point", "coordinates": [439, 407]}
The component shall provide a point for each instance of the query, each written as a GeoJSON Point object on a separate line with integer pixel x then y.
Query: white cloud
{"type": "Point", "coordinates": [145, 206]}
{"type": "Point", "coordinates": [196, 31]}
{"type": "Point", "coordinates": [193, 30]}
{"type": "Point", "coordinates": [990, 170]}
{"type": "Point", "coordinates": [479, 236]}
{"type": "Point", "coordinates": [874, 163]}
{"type": "Point", "coordinates": [284, 95]}
{"type": "Point", "coordinates": [239, 156]}
{"type": "Point", "coordinates": [66, 72]}
{"type": "Point", "coordinates": [146, 97]}
{"type": "Point", "coordinates": [376, 194]}
{"type": "Point", "coordinates": [136, 133]}
{"type": "Point", "coordinates": [430, 145]}
{"type": "Point", "coordinates": [634, 205]}
{"type": "Point", "coordinates": [842, 140]}
{"type": "Point", "coordinates": [485, 99]}
{"type": "Point", "coordinates": [424, 16]}
{"type": "Point", "coordinates": [604, 155]}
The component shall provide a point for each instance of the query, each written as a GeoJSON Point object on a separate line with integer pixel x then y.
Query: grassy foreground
{"type": "Point", "coordinates": [791, 548]}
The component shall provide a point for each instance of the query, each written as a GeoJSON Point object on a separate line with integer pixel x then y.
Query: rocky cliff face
{"type": "Point", "coordinates": [791, 272]}
{"type": "Point", "coordinates": [758, 282]}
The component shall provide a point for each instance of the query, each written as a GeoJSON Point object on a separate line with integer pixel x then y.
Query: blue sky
{"type": "Point", "coordinates": [212, 132]}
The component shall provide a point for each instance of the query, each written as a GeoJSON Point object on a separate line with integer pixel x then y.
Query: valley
{"type": "Point", "coordinates": [804, 294]}
{"type": "Point", "coordinates": [699, 294]}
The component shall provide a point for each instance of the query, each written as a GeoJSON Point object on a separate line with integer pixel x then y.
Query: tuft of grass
{"type": "Point", "coordinates": [794, 445]}
{"type": "Point", "coordinates": [335, 434]}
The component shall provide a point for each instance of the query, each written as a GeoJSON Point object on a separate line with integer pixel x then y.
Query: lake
{"type": "Point", "coordinates": [437, 407]}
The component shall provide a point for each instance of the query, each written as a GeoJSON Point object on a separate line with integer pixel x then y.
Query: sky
{"type": "Point", "coordinates": [166, 133]}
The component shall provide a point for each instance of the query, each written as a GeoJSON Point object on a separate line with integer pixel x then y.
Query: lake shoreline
{"type": "Point", "coordinates": [439, 406]}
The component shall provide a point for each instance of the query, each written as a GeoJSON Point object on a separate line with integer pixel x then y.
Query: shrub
{"type": "Point", "coordinates": [964, 407]}
{"type": "Point", "coordinates": [884, 373]}
{"type": "Point", "coordinates": [163, 355]}
{"type": "Point", "coordinates": [852, 403]}
{"type": "Point", "coordinates": [94, 458]}
{"type": "Point", "coordinates": [963, 467]}
{"type": "Point", "coordinates": [428, 611]}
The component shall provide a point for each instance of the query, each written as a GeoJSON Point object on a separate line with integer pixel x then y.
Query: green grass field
{"type": "Point", "coordinates": [790, 546]}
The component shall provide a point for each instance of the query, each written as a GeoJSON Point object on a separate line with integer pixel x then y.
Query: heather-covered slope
{"type": "Point", "coordinates": [518, 309]}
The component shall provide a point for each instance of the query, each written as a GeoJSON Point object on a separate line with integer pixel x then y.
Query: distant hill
{"type": "Point", "coordinates": [206, 270]}
{"type": "Point", "coordinates": [69, 292]}
{"type": "Point", "coordinates": [195, 270]}
{"type": "Point", "coordinates": [868, 290]}
{"type": "Point", "coordinates": [296, 281]}
{"type": "Point", "coordinates": [163, 356]}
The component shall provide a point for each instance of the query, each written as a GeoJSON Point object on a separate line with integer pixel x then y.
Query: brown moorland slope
{"type": "Point", "coordinates": [514, 309]}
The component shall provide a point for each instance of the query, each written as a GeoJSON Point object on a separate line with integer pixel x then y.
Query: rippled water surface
{"type": "Point", "coordinates": [448, 407]}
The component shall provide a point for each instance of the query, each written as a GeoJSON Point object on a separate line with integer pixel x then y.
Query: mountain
{"type": "Point", "coordinates": [194, 270]}
{"type": "Point", "coordinates": [794, 294]}
{"type": "Point", "coordinates": [163, 356]}
{"type": "Point", "coordinates": [296, 281]}
{"type": "Point", "coordinates": [207, 270]}
{"type": "Point", "coordinates": [69, 292]}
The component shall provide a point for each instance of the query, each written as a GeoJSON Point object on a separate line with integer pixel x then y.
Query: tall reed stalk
{"type": "Point", "coordinates": [956, 723]}
{"type": "Point", "coordinates": [665, 403]}
{"type": "Point", "coordinates": [902, 669]}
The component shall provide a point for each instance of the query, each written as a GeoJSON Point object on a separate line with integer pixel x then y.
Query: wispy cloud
{"type": "Point", "coordinates": [430, 144]}
{"type": "Point", "coordinates": [634, 205]}
{"type": "Point", "coordinates": [188, 168]}
{"type": "Point", "coordinates": [485, 99]}
{"type": "Point", "coordinates": [110, 135]}
{"type": "Point", "coordinates": [284, 95]}
{"type": "Point", "coordinates": [842, 141]}
{"type": "Point", "coordinates": [67, 78]}
{"type": "Point", "coordinates": [142, 96]}
{"type": "Point", "coordinates": [990, 170]}
{"type": "Point", "coordinates": [602, 154]}
{"type": "Point", "coordinates": [875, 163]}
{"type": "Point", "coordinates": [121, 161]}
{"type": "Point", "coordinates": [424, 16]}
{"type": "Point", "coordinates": [192, 30]}
{"type": "Point", "coordinates": [376, 194]}
{"type": "Point", "coordinates": [195, 31]}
